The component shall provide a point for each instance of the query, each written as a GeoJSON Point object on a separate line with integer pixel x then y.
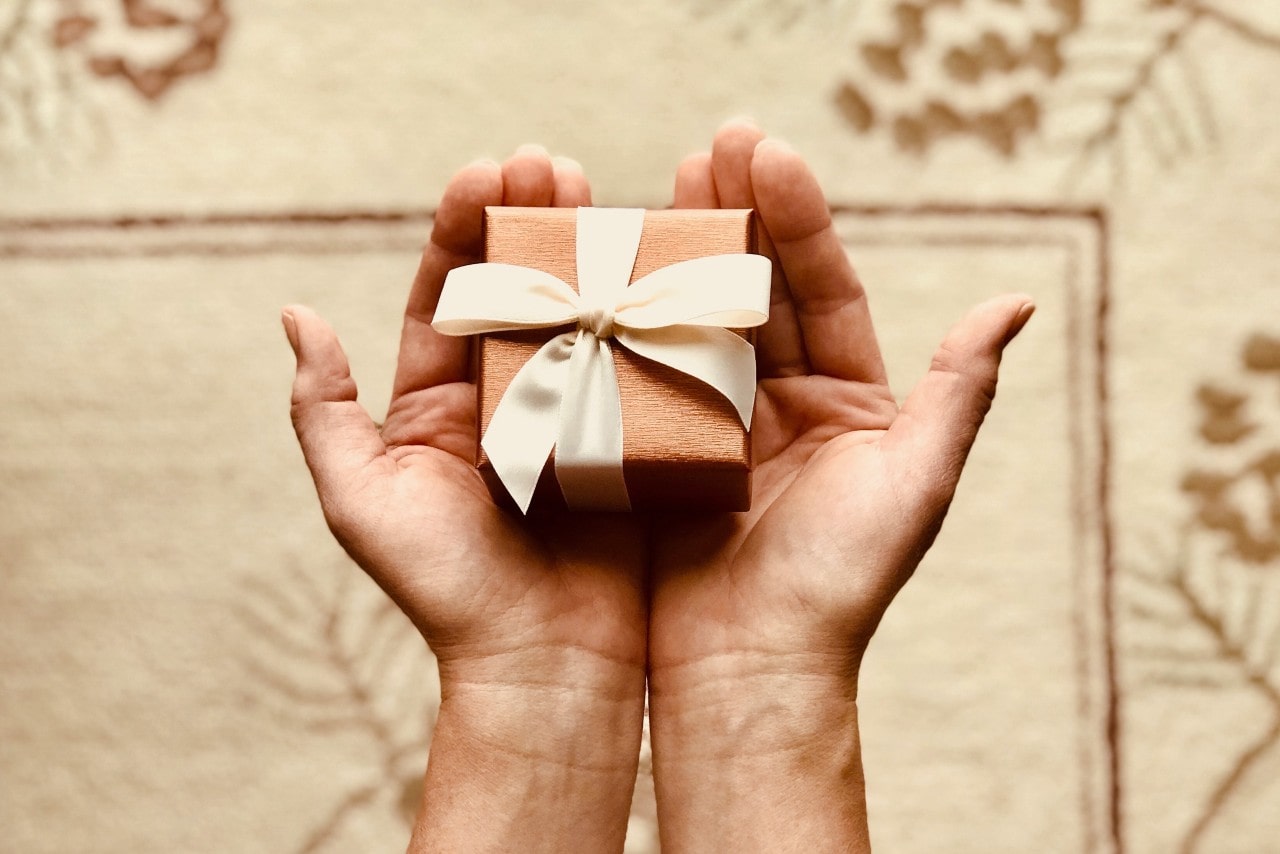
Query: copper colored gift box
{"type": "Point", "coordinates": [683, 445]}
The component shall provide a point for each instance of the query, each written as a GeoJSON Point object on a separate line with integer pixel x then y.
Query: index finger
{"type": "Point", "coordinates": [830, 303]}
{"type": "Point", "coordinates": [428, 358]}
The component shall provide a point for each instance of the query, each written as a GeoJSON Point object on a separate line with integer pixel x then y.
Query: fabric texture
{"type": "Point", "coordinates": [1087, 661]}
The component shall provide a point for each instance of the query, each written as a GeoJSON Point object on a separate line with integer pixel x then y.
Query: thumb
{"type": "Point", "coordinates": [939, 421]}
{"type": "Point", "coordinates": [338, 438]}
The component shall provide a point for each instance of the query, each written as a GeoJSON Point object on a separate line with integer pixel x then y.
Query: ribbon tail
{"type": "Point", "coordinates": [718, 357]}
{"type": "Point", "coordinates": [523, 429]}
{"type": "Point", "coordinates": [589, 442]}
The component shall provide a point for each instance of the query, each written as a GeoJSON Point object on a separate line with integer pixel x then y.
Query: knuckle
{"type": "Point", "coordinates": [975, 373]}
{"type": "Point", "coordinates": [327, 385]}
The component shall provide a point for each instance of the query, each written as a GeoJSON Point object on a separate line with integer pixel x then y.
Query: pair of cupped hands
{"type": "Point", "coordinates": [747, 629]}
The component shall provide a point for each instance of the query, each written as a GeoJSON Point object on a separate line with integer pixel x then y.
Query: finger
{"type": "Point", "coordinates": [778, 343]}
{"type": "Point", "coordinates": [571, 187]}
{"type": "Point", "coordinates": [528, 179]}
{"type": "Point", "coordinates": [731, 152]}
{"type": "Point", "coordinates": [939, 421]}
{"type": "Point", "coordinates": [428, 358]}
{"type": "Point", "coordinates": [830, 304]}
{"type": "Point", "coordinates": [338, 438]}
{"type": "Point", "coordinates": [695, 185]}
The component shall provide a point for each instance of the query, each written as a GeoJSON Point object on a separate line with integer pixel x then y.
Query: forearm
{"type": "Point", "coordinates": [539, 763]}
{"type": "Point", "coordinates": [753, 752]}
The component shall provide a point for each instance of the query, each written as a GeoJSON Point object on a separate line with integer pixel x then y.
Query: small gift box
{"type": "Point", "coordinates": [615, 367]}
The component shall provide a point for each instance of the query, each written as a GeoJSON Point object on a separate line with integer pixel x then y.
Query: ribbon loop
{"type": "Point", "coordinates": [730, 291]}
{"type": "Point", "coordinates": [565, 398]}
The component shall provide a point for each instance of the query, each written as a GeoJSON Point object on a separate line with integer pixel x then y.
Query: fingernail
{"type": "Point", "coordinates": [290, 329]}
{"type": "Point", "coordinates": [1020, 320]}
{"type": "Point", "coordinates": [780, 145]}
{"type": "Point", "coordinates": [532, 148]}
{"type": "Point", "coordinates": [487, 162]}
{"type": "Point", "coordinates": [566, 163]}
{"type": "Point", "coordinates": [744, 120]}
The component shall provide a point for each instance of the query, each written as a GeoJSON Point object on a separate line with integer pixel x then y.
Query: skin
{"type": "Point", "coordinates": [759, 620]}
{"type": "Point", "coordinates": [539, 626]}
{"type": "Point", "coordinates": [750, 627]}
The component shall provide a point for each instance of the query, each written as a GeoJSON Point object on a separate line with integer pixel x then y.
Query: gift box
{"type": "Point", "coordinates": [684, 444]}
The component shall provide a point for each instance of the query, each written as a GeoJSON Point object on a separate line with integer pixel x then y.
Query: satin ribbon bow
{"type": "Point", "coordinates": [566, 396]}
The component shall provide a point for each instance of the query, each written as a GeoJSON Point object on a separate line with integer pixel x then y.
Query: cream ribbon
{"type": "Point", "coordinates": [566, 396]}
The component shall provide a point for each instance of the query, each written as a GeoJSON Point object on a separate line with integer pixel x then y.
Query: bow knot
{"type": "Point", "coordinates": [598, 321]}
{"type": "Point", "coordinates": [566, 396]}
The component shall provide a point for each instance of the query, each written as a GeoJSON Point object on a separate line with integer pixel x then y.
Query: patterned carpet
{"type": "Point", "coordinates": [1089, 659]}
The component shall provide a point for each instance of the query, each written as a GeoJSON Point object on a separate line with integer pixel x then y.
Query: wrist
{"type": "Point", "coordinates": [732, 706]}
{"type": "Point", "coordinates": [751, 747]}
{"type": "Point", "coordinates": [552, 704]}
{"type": "Point", "coordinates": [533, 751]}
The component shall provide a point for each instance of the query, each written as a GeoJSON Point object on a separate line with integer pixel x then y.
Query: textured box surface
{"type": "Point", "coordinates": [683, 445]}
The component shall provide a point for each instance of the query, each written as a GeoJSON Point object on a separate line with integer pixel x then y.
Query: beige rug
{"type": "Point", "coordinates": [1088, 661]}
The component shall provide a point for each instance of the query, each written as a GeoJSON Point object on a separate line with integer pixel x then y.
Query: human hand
{"type": "Point", "coordinates": [538, 624]}
{"type": "Point", "coordinates": [759, 620]}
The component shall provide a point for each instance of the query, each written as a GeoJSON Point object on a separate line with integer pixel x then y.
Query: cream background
{"type": "Point", "coordinates": [188, 663]}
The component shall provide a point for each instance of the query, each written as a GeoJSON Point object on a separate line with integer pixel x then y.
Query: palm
{"type": "Point", "coordinates": [409, 506]}
{"type": "Point", "coordinates": [848, 492]}
{"type": "Point", "coordinates": [540, 579]}
{"type": "Point", "coordinates": [724, 590]}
